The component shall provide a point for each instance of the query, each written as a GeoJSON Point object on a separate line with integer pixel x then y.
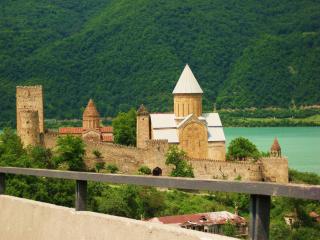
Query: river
{"type": "Point", "coordinates": [301, 145]}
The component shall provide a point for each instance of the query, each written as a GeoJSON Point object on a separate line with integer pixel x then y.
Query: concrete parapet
{"type": "Point", "coordinates": [31, 220]}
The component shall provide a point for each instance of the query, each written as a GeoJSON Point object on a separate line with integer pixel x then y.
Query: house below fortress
{"type": "Point", "coordinates": [199, 134]}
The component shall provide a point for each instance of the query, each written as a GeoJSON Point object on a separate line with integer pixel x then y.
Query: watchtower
{"type": "Point", "coordinates": [143, 127]}
{"type": "Point", "coordinates": [29, 128]}
{"type": "Point", "coordinates": [29, 98]}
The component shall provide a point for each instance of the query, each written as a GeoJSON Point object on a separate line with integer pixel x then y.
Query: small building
{"type": "Point", "coordinates": [199, 134]}
{"type": "Point", "coordinates": [91, 129]}
{"type": "Point", "coordinates": [211, 222]}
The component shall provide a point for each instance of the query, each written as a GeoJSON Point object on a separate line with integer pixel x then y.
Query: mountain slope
{"type": "Point", "coordinates": [123, 53]}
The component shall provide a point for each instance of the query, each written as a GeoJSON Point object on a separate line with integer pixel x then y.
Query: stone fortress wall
{"type": "Point", "coordinates": [130, 159]}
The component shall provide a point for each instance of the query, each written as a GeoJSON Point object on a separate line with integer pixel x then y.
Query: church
{"type": "Point", "coordinates": [199, 134]}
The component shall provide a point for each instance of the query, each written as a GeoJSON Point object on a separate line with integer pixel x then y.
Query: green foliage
{"type": "Point", "coordinates": [124, 128]}
{"type": "Point", "coordinates": [229, 229]}
{"type": "Point", "coordinates": [71, 151]}
{"type": "Point", "coordinates": [271, 117]}
{"type": "Point", "coordinates": [112, 168]}
{"type": "Point", "coordinates": [11, 149]}
{"type": "Point", "coordinates": [99, 165]}
{"type": "Point", "coordinates": [302, 177]}
{"type": "Point", "coordinates": [242, 149]}
{"type": "Point", "coordinates": [97, 153]}
{"type": "Point", "coordinates": [144, 170]}
{"type": "Point", "coordinates": [177, 157]}
{"type": "Point", "coordinates": [41, 157]}
{"type": "Point", "coordinates": [125, 53]}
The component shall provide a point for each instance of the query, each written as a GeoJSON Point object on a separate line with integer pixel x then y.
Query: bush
{"type": "Point", "coordinates": [144, 170]}
{"type": "Point", "coordinates": [112, 168]}
{"type": "Point", "coordinates": [99, 165]}
{"type": "Point", "coordinates": [97, 153]}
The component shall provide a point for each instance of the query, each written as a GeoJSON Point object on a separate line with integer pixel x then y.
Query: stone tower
{"type": "Point", "coordinates": [91, 117]}
{"type": "Point", "coordinates": [275, 149]}
{"type": "Point", "coordinates": [143, 127]}
{"type": "Point", "coordinates": [29, 98]}
{"type": "Point", "coordinates": [187, 95]}
{"type": "Point", "coordinates": [29, 128]}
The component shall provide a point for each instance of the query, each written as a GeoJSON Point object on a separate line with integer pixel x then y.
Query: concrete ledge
{"type": "Point", "coordinates": [31, 220]}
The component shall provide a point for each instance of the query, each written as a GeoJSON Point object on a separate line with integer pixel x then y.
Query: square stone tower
{"type": "Point", "coordinates": [29, 98]}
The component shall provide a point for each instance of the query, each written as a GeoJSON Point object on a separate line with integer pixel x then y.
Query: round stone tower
{"type": "Point", "coordinates": [91, 117]}
{"type": "Point", "coordinates": [29, 127]}
{"type": "Point", "coordinates": [187, 95]}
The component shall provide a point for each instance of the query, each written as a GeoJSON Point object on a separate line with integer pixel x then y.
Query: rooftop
{"type": "Point", "coordinates": [187, 83]}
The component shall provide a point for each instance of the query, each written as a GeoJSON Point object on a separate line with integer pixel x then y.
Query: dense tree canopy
{"type": "Point", "coordinates": [242, 149]}
{"type": "Point", "coordinates": [124, 128]}
{"type": "Point", "coordinates": [123, 53]}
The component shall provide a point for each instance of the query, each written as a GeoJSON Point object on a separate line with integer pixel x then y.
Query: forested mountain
{"type": "Point", "coordinates": [123, 53]}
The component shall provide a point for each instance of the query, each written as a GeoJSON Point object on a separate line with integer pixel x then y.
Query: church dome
{"type": "Point", "coordinates": [91, 110]}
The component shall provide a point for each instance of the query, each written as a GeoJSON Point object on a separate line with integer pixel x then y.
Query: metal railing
{"type": "Point", "coordinates": [260, 192]}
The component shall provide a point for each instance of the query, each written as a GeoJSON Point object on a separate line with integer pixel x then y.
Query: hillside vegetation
{"type": "Point", "coordinates": [123, 53]}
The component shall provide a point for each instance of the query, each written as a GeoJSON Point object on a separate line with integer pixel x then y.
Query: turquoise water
{"type": "Point", "coordinates": [301, 145]}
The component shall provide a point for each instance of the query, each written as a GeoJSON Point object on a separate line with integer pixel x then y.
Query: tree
{"type": "Point", "coordinates": [12, 152]}
{"type": "Point", "coordinates": [242, 149]}
{"type": "Point", "coordinates": [71, 151]}
{"type": "Point", "coordinates": [176, 157]}
{"type": "Point", "coordinates": [124, 128]}
{"type": "Point", "coordinates": [40, 157]}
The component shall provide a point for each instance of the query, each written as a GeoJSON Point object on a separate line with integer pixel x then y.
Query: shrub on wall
{"type": "Point", "coordinates": [242, 149]}
{"type": "Point", "coordinates": [112, 168]}
{"type": "Point", "coordinates": [144, 170]}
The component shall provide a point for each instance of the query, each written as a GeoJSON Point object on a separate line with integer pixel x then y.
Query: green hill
{"type": "Point", "coordinates": [123, 53]}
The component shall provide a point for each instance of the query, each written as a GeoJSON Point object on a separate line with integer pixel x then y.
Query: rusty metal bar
{"type": "Point", "coordinates": [2, 183]}
{"type": "Point", "coordinates": [81, 195]}
{"type": "Point", "coordinates": [259, 217]}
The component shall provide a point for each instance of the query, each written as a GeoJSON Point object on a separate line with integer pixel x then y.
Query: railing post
{"type": "Point", "coordinates": [81, 195]}
{"type": "Point", "coordinates": [2, 182]}
{"type": "Point", "coordinates": [259, 217]}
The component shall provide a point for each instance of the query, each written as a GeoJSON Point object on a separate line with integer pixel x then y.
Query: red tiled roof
{"type": "Point", "coordinates": [106, 129]}
{"type": "Point", "coordinates": [107, 138]}
{"type": "Point", "coordinates": [211, 217]}
{"type": "Point", "coordinates": [70, 130]}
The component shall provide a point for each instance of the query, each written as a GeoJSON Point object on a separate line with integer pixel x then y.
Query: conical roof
{"type": "Point", "coordinates": [142, 110]}
{"type": "Point", "coordinates": [275, 146]}
{"type": "Point", "coordinates": [187, 83]}
{"type": "Point", "coordinates": [91, 110]}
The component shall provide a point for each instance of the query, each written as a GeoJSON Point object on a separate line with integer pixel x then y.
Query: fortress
{"type": "Point", "coordinates": [199, 134]}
